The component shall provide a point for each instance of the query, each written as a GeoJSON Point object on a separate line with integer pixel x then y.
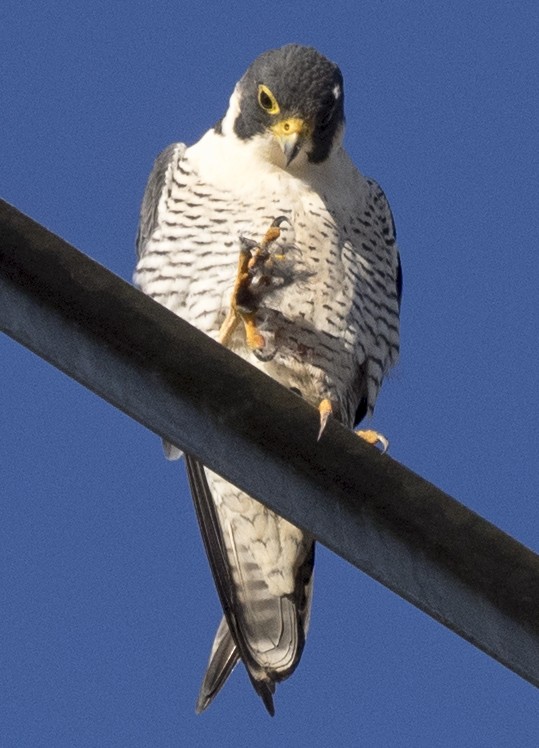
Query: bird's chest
{"type": "Point", "coordinates": [303, 300]}
{"type": "Point", "coordinates": [304, 275]}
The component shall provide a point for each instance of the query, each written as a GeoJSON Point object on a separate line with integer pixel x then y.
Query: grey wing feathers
{"type": "Point", "coordinates": [223, 659]}
{"type": "Point", "coordinates": [389, 231]}
{"type": "Point", "coordinates": [381, 292]}
{"type": "Point", "coordinates": [390, 235]}
{"type": "Point", "coordinates": [157, 181]}
{"type": "Point", "coordinates": [159, 178]}
{"type": "Point", "coordinates": [216, 552]}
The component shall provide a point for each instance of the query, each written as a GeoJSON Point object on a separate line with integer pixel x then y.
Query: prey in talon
{"type": "Point", "coordinates": [253, 275]}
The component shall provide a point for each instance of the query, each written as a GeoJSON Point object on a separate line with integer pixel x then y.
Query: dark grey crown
{"type": "Point", "coordinates": [305, 83]}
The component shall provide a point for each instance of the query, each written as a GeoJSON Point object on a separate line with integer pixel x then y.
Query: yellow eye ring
{"type": "Point", "coordinates": [267, 100]}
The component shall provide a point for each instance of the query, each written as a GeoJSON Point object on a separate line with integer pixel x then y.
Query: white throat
{"type": "Point", "coordinates": [225, 159]}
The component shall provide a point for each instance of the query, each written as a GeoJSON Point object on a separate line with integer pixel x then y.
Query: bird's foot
{"type": "Point", "coordinates": [374, 438]}
{"type": "Point", "coordinates": [254, 259]}
{"type": "Point", "coordinates": [325, 409]}
{"type": "Point", "coordinates": [371, 437]}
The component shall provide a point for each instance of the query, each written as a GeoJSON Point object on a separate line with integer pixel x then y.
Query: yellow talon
{"type": "Point", "coordinates": [371, 437]}
{"type": "Point", "coordinates": [227, 328]}
{"type": "Point", "coordinates": [273, 233]}
{"type": "Point", "coordinates": [325, 409]}
{"type": "Point", "coordinates": [252, 256]}
{"type": "Point", "coordinates": [374, 438]}
{"type": "Point", "coordinates": [255, 340]}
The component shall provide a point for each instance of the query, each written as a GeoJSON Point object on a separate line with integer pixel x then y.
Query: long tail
{"type": "Point", "coordinates": [265, 619]}
{"type": "Point", "coordinates": [223, 659]}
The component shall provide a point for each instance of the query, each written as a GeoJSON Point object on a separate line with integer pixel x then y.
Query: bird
{"type": "Point", "coordinates": [264, 235]}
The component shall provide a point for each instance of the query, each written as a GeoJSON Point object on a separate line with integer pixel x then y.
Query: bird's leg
{"type": "Point", "coordinates": [242, 282]}
{"type": "Point", "coordinates": [325, 409]}
{"type": "Point", "coordinates": [371, 437]}
{"type": "Point", "coordinates": [253, 258]}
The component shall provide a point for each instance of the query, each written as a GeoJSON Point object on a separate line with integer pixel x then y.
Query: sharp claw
{"type": "Point", "coordinates": [271, 235]}
{"type": "Point", "coordinates": [325, 409]}
{"type": "Point", "coordinates": [374, 438]}
{"type": "Point", "coordinates": [323, 421]}
{"type": "Point", "coordinates": [278, 221]}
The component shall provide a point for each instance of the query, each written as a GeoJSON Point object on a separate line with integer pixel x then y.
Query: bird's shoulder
{"type": "Point", "coordinates": [366, 209]}
{"type": "Point", "coordinates": [158, 182]}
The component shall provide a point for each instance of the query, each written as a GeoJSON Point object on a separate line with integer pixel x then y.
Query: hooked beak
{"type": "Point", "coordinates": [290, 134]}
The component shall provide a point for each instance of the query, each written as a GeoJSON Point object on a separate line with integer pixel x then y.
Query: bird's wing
{"type": "Point", "coordinates": [156, 189]}
{"type": "Point", "coordinates": [158, 182]}
{"type": "Point", "coordinates": [378, 296]}
{"type": "Point", "coordinates": [224, 657]}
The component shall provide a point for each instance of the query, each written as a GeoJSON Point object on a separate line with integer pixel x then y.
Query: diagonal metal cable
{"type": "Point", "coordinates": [377, 514]}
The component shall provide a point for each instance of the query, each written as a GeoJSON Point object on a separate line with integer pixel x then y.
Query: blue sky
{"type": "Point", "coordinates": [108, 609]}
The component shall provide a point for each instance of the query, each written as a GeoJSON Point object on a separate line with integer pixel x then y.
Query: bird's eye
{"type": "Point", "coordinates": [267, 100]}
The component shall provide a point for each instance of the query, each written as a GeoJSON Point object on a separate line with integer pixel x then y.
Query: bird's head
{"type": "Point", "coordinates": [290, 101]}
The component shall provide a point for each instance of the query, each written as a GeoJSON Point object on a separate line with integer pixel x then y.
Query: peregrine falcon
{"type": "Point", "coordinates": [265, 236]}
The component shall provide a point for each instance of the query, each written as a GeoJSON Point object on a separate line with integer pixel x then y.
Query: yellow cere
{"type": "Point", "coordinates": [291, 126]}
